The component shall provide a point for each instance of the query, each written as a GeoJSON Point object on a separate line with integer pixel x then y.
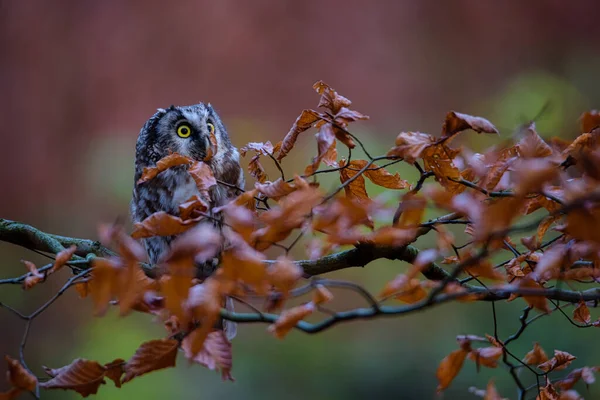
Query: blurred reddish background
{"type": "Point", "coordinates": [71, 71]}
{"type": "Point", "coordinates": [79, 78]}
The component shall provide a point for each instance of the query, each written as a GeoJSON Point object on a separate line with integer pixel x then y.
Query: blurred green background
{"type": "Point", "coordinates": [79, 78]}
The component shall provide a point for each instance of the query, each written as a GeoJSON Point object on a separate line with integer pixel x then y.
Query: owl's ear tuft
{"type": "Point", "coordinates": [172, 108]}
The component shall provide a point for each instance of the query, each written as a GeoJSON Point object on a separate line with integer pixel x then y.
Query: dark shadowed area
{"type": "Point", "coordinates": [79, 78]}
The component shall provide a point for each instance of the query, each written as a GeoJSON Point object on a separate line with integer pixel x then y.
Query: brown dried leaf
{"type": "Point", "coordinates": [128, 248]}
{"type": "Point", "coordinates": [256, 170]}
{"type": "Point", "coordinates": [585, 373]}
{"type": "Point", "coordinates": [491, 393]}
{"type": "Point", "coordinates": [548, 392]}
{"type": "Point", "coordinates": [356, 189]}
{"type": "Point", "coordinates": [486, 356]}
{"type": "Point", "coordinates": [151, 356]}
{"type": "Point", "coordinates": [532, 145]}
{"type": "Point", "coordinates": [537, 302]}
{"type": "Point", "coordinates": [457, 122]}
{"type": "Point", "coordinates": [12, 394]}
{"type": "Point", "coordinates": [192, 207]}
{"type": "Point", "coordinates": [18, 376]}
{"type": "Point", "coordinates": [390, 236]}
{"type": "Point", "coordinates": [35, 277]}
{"type": "Point", "coordinates": [589, 121]}
{"type": "Point", "coordinates": [438, 159]}
{"type": "Point", "coordinates": [261, 148]}
{"type": "Point", "coordinates": [410, 211]}
{"type": "Point", "coordinates": [381, 177]}
{"type": "Point", "coordinates": [536, 356]}
{"type": "Point", "coordinates": [162, 223]}
{"type": "Point", "coordinates": [105, 280]}
{"type": "Point", "coordinates": [322, 295]}
{"type": "Point", "coordinates": [284, 274]}
{"type": "Point", "coordinates": [203, 176]}
{"type": "Point", "coordinates": [561, 360]}
{"type": "Point", "coordinates": [404, 288]}
{"type": "Point", "coordinates": [289, 318]}
{"type": "Point", "coordinates": [82, 376]}
{"type": "Point", "coordinates": [62, 258]}
{"type": "Point", "coordinates": [550, 264]}
{"type": "Point", "coordinates": [163, 164]}
{"type": "Point", "coordinates": [215, 354]}
{"type": "Point", "coordinates": [330, 99]}
{"type": "Point", "coordinates": [305, 121]}
{"type": "Point", "coordinates": [581, 313]}
{"type": "Point", "coordinates": [275, 190]}
{"type": "Point", "coordinates": [410, 146]}
{"type": "Point", "coordinates": [325, 147]}
{"type": "Point", "coordinates": [114, 370]}
{"type": "Point", "coordinates": [213, 148]}
{"type": "Point", "coordinates": [449, 367]}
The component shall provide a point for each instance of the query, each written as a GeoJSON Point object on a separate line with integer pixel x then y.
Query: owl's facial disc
{"type": "Point", "coordinates": [192, 137]}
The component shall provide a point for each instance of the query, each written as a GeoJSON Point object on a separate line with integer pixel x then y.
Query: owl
{"type": "Point", "coordinates": [187, 131]}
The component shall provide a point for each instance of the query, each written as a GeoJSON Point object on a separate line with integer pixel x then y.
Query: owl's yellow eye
{"type": "Point", "coordinates": [211, 128]}
{"type": "Point", "coordinates": [184, 131]}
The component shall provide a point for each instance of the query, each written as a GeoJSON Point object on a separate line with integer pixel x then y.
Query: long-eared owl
{"type": "Point", "coordinates": [185, 130]}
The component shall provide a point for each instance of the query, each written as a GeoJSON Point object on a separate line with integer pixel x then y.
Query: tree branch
{"type": "Point", "coordinates": [32, 238]}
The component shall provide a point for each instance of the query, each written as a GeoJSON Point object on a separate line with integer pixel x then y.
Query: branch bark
{"type": "Point", "coordinates": [32, 238]}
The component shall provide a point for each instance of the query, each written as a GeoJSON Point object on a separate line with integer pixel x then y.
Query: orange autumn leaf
{"type": "Point", "coordinates": [457, 122]}
{"type": "Point", "coordinates": [35, 276]}
{"type": "Point", "coordinates": [439, 160]}
{"type": "Point", "coordinates": [62, 258]}
{"type": "Point", "coordinates": [114, 371]}
{"type": "Point", "coordinates": [163, 164]}
{"type": "Point", "coordinates": [192, 208]}
{"type": "Point", "coordinates": [410, 211]}
{"type": "Point", "coordinates": [18, 376]}
{"type": "Point", "coordinates": [325, 148]}
{"type": "Point", "coordinates": [537, 302]}
{"type": "Point", "coordinates": [216, 354]}
{"type": "Point", "coordinates": [212, 149]}
{"type": "Point", "coordinates": [203, 177]}
{"type": "Point", "coordinates": [284, 274]}
{"type": "Point", "coordinates": [561, 360]}
{"type": "Point", "coordinates": [354, 184]}
{"type": "Point", "coordinates": [486, 356]}
{"type": "Point", "coordinates": [410, 146]}
{"type": "Point", "coordinates": [322, 295]}
{"type": "Point", "coordinates": [275, 190]}
{"type": "Point", "coordinates": [82, 376]}
{"type": "Point", "coordinates": [491, 393]}
{"type": "Point", "coordinates": [581, 313]}
{"type": "Point", "coordinates": [586, 374]}
{"type": "Point", "coordinates": [532, 145]}
{"type": "Point", "coordinates": [449, 367]}
{"type": "Point", "coordinates": [404, 288]}
{"type": "Point", "coordinates": [289, 318]}
{"type": "Point", "coordinates": [260, 148]}
{"type": "Point", "coordinates": [535, 356]}
{"type": "Point", "coordinates": [330, 99]}
{"type": "Point", "coordinates": [162, 223]}
{"type": "Point", "coordinates": [105, 275]}
{"type": "Point", "coordinates": [305, 121]}
{"type": "Point", "coordinates": [390, 236]}
{"type": "Point", "coordinates": [256, 169]}
{"type": "Point", "coordinates": [381, 177]}
{"type": "Point", "coordinates": [151, 356]}
{"type": "Point", "coordinates": [589, 121]}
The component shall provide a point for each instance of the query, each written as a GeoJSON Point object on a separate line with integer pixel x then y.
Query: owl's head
{"type": "Point", "coordinates": [185, 130]}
